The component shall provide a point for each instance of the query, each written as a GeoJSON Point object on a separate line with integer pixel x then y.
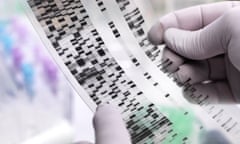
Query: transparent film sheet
{"type": "Point", "coordinates": [102, 48]}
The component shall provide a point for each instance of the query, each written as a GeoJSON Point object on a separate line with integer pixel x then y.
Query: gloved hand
{"type": "Point", "coordinates": [109, 126]}
{"type": "Point", "coordinates": [204, 44]}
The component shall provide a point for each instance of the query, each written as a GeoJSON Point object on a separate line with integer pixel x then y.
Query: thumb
{"type": "Point", "coordinates": [205, 43]}
{"type": "Point", "coordinates": [109, 126]}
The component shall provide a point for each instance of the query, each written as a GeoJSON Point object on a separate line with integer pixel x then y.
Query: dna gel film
{"type": "Point", "coordinates": [103, 49]}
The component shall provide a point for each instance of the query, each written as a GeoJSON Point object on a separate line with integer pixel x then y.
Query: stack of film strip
{"type": "Point", "coordinates": [86, 36]}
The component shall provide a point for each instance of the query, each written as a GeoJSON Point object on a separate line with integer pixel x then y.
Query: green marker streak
{"type": "Point", "coordinates": [19, 7]}
{"type": "Point", "coordinates": [183, 124]}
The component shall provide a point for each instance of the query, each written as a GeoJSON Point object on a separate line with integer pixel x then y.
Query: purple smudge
{"type": "Point", "coordinates": [51, 73]}
{"type": "Point", "coordinates": [17, 57]}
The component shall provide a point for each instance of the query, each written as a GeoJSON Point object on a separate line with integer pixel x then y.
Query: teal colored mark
{"type": "Point", "coordinates": [7, 43]}
{"type": "Point", "coordinates": [183, 125]}
{"type": "Point", "coordinates": [28, 75]}
{"type": "Point", "coordinates": [2, 26]}
{"type": "Point", "coordinates": [5, 40]}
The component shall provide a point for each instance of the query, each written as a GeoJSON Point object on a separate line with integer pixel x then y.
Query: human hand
{"type": "Point", "coordinates": [203, 44]}
{"type": "Point", "coordinates": [109, 127]}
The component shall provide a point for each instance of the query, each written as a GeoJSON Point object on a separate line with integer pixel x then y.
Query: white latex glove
{"type": "Point", "coordinates": [109, 126]}
{"type": "Point", "coordinates": [204, 44]}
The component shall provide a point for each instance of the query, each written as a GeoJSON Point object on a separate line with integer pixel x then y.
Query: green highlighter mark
{"type": "Point", "coordinates": [19, 7]}
{"type": "Point", "coordinates": [183, 124]}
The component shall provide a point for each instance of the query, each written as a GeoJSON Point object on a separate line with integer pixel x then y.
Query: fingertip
{"type": "Point", "coordinates": [105, 110]}
{"type": "Point", "coordinates": [185, 43]}
{"type": "Point", "coordinates": [155, 34]}
{"type": "Point", "coordinates": [109, 126]}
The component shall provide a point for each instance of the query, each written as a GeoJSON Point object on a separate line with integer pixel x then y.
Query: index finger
{"type": "Point", "coordinates": [193, 18]}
